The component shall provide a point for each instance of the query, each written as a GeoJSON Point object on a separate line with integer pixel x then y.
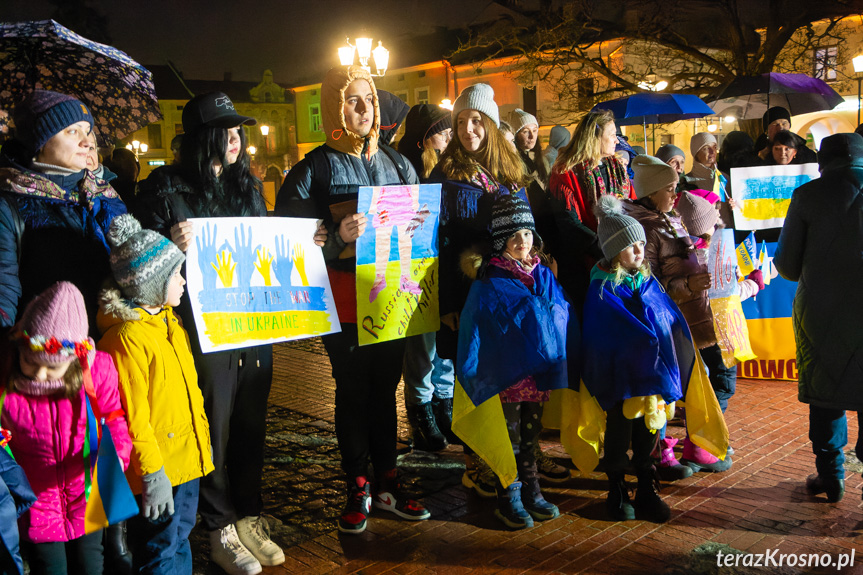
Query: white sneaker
{"type": "Point", "coordinates": [254, 533]}
{"type": "Point", "coordinates": [230, 554]}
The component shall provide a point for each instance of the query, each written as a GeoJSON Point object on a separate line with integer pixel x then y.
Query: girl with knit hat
{"type": "Point", "coordinates": [634, 362]}
{"type": "Point", "coordinates": [516, 340]}
{"type": "Point", "coordinates": [673, 260]}
{"type": "Point", "coordinates": [51, 372]}
{"type": "Point", "coordinates": [159, 390]}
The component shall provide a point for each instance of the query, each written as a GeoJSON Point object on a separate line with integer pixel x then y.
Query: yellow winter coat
{"type": "Point", "coordinates": [159, 391]}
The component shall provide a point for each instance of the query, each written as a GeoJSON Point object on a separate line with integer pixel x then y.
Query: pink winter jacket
{"type": "Point", "coordinates": [48, 443]}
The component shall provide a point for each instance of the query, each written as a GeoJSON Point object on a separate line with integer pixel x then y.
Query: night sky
{"type": "Point", "coordinates": [296, 39]}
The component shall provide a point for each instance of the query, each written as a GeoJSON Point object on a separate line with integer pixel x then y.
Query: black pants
{"type": "Point", "coordinates": [524, 424]}
{"type": "Point", "coordinates": [236, 387]}
{"type": "Point", "coordinates": [619, 433]}
{"type": "Point", "coordinates": [723, 379]}
{"type": "Point", "coordinates": [81, 556]}
{"type": "Point", "coordinates": [366, 381]}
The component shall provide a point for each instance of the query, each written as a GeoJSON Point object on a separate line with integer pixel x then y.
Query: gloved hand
{"type": "Point", "coordinates": [156, 497]}
{"type": "Point", "coordinates": [758, 278]}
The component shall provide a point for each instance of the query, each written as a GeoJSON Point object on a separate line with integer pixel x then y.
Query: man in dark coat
{"type": "Point", "coordinates": [821, 248]}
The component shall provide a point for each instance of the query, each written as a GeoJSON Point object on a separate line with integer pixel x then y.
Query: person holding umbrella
{"type": "Point", "coordinates": [49, 197]}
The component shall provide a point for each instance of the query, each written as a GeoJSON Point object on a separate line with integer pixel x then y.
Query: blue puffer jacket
{"type": "Point", "coordinates": [15, 498]}
{"type": "Point", "coordinates": [52, 228]}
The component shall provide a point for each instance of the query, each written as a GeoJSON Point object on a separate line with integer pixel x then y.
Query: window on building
{"type": "Point", "coordinates": [586, 91]}
{"type": "Point", "coordinates": [403, 96]}
{"type": "Point", "coordinates": [421, 74]}
{"type": "Point", "coordinates": [825, 63]}
{"type": "Point", "coordinates": [422, 95]}
{"type": "Point", "coordinates": [315, 118]}
{"type": "Point", "coordinates": [178, 129]}
{"type": "Point", "coordinates": [154, 136]}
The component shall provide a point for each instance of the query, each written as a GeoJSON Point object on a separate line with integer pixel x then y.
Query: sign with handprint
{"type": "Point", "coordinates": [253, 281]}
{"type": "Point", "coordinates": [397, 288]}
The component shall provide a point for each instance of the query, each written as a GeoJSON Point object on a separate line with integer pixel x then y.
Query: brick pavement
{"type": "Point", "coordinates": [759, 505]}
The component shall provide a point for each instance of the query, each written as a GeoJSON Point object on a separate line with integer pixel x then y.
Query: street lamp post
{"type": "Point", "coordinates": [137, 148]}
{"type": "Point", "coordinates": [265, 131]}
{"type": "Point", "coordinates": [857, 61]}
{"type": "Point", "coordinates": [363, 51]}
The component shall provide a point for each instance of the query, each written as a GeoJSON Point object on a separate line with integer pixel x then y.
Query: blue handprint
{"type": "Point", "coordinates": [207, 256]}
{"type": "Point", "coordinates": [283, 265]}
{"type": "Point", "coordinates": [244, 255]}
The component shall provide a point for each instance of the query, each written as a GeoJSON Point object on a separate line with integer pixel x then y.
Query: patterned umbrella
{"type": "Point", "coordinates": [45, 55]}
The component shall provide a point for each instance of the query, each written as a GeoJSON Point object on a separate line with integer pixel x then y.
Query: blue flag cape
{"type": "Point", "coordinates": [637, 343]}
{"type": "Point", "coordinates": [508, 332]}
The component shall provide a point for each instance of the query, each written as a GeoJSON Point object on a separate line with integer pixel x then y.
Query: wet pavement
{"type": "Point", "coordinates": [760, 506]}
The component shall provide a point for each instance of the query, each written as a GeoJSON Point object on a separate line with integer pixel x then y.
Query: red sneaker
{"type": "Point", "coordinates": [359, 505]}
{"type": "Point", "coordinates": [389, 497]}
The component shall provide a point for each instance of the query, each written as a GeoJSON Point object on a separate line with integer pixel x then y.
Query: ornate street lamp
{"type": "Point", "coordinates": [363, 51]}
{"type": "Point", "coordinates": [137, 148]}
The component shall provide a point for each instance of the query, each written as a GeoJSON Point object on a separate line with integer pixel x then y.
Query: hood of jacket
{"type": "Point", "coordinates": [332, 108]}
{"type": "Point", "coordinates": [558, 137]}
{"type": "Point", "coordinates": [113, 309]}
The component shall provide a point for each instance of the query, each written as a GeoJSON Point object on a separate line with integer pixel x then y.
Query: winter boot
{"type": "Point", "coordinates": [700, 460]}
{"type": "Point", "coordinates": [533, 501]}
{"type": "Point", "coordinates": [480, 478]}
{"type": "Point", "coordinates": [426, 435]}
{"type": "Point", "coordinates": [548, 469]}
{"type": "Point", "coordinates": [668, 468]}
{"type": "Point", "coordinates": [618, 503]}
{"type": "Point", "coordinates": [118, 558]}
{"type": "Point", "coordinates": [648, 505]}
{"type": "Point", "coordinates": [510, 509]}
{"type": "Point", "coordinates": [834, 487]}
{"type": "Point", "coordinates": [443, 416]}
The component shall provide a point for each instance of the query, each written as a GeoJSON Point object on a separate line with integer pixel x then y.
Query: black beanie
{"type": "Point", "coordinates": [773, 114]}
{"type": "Point", "coordinates": [510, 214]}
{"type": "Point", "coordinates": [393, 111]}
{"type": "Point", "coordinates": [424, 121]}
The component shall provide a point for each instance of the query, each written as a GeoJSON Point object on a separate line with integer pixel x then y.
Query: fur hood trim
{"type": "Point", "coordinates": [112, 304]}
{"type": "Point", "coordinates": [471, 262]}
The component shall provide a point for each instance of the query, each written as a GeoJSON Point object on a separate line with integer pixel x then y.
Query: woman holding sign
{"type": "Point", "coordinates": [213, 180]}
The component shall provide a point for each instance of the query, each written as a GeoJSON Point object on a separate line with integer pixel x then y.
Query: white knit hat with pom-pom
{"type": "Point", "coordinates": [142, 261]}
{"type": "Point", "coordinates": [616, 230]}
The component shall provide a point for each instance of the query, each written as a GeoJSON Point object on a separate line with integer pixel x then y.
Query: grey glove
{"type": "Point", "coordinates": [156, 497]}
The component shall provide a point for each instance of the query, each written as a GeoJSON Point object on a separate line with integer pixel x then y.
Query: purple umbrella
{"type": "Point", "coordinates": [45, 55]}
{"type": "Point", "coordinates": [748, 97]}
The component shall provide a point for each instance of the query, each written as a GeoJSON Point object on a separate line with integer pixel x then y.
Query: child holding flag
{"type": "Point", "coordinates": [159, 389]}
{"type": "Point", "coordinates": [634, 361]}
{"type": "Point", "coordinates": [50, 374]}
{"type": "Point", "coordinates": [516, 334]}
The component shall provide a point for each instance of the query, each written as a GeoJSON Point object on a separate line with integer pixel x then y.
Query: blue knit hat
{"type": "Point", "coordinates": [142, 261]}
{"type": "Point", "coordinates": [44, 113]}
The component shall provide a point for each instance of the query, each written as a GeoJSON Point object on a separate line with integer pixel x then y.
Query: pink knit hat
{"type": "Point", "coordinates": [53, 328]}
{"type": "Point", "coordinates": [698, 215]}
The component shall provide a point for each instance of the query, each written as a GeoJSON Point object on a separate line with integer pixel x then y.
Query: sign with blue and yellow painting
{"type": "Point", "coordinates": [397, 262]}
{"type": "Point", "coordinates": [254, 281]}
{"type": "Point", "coordinates": [763, 193]}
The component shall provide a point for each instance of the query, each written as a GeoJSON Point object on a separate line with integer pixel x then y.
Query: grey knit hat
{"type": "Point", "coordinates": [478, 97]}
{"type": "Point", "coordinates": [518, 119]}
{"type": "Point", "coordinates": [700, 140]}
{"type": "Point", "coordinates": [510, 214]}
{"type": "Point", "coordinates": [668, 151]}
{"type": "Point", "coordinates": [651, 175]}
{"type": "Point", "coordinates": [143, 261]}
{"type": "Point", "coordinates": [616, 230]}
{"type": "Point", "coordinates": [698, 215]}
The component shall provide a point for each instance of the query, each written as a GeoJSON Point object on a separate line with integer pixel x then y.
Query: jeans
{"type": "Point", "coordinates": [426, 374]}
{"type": "Point", "coordinates": [163, 548]}
{"type": "Point", "coordinates": [81, 556]}
{"type": "Point", "coordinates": [366, 381]}
{"type": "Point", "coordinates": [236, 386]}
{"type": "Point", "coordinates": [722, 379]}
{"type": "Point", "coordinates": [619, 433]}
{"type": "Point", "coordinates": [828, 431]}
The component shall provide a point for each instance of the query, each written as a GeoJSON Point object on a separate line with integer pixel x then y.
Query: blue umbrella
{"type": "Point", "coordinates": [654, 108]}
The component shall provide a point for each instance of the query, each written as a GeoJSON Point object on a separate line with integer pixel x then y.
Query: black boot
{"type": "Point", "coordinates": [618, 503]}
{"type": "Point", "coordinates": [443, 417]}
{"type": "Point", "coordinates": [648, 505]}
{"type": "Point", "coordinates": [118, 558]}
{"type": "Point", "coordinates": [427, 436]}
{"type": "Point", "coordinates": [833, 487]}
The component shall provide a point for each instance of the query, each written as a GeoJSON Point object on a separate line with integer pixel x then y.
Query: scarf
{"type": "Point", "coordinates": [595, 184]}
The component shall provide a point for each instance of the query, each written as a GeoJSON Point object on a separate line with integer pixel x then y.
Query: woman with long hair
{"type": "Point", "coordinates": [213, 179]}
{"type": "Point", "coordinates": [585, 170]}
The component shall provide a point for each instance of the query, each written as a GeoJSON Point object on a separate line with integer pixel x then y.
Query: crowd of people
{"type": "Point", "coordinates": [581, 266]}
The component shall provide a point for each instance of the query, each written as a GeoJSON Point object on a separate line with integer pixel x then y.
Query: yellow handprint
{"type": "Point", "coordinates": [225, 269]}
{"type": "Point", "coordinates": [263, 264]}
{"type": "Point", "coordinates": [300, 263]}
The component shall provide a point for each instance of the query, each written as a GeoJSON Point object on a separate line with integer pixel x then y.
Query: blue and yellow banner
{"type": "Point", "coordinates": [762, 193]}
